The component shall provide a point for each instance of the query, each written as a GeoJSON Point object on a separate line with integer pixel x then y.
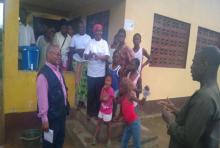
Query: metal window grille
{"type": "Point", "coordinates": [169, 42]}
{"type": "Point", "coordinates": [207, 37]}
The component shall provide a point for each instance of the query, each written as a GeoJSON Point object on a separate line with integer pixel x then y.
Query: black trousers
{"type": "Point", "coordinates": [95, 85]}
{"type": "Point", "coordinates": [58, 127]}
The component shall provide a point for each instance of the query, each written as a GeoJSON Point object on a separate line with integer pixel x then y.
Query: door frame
{"type": "Point", "coordinates": [2, 116]}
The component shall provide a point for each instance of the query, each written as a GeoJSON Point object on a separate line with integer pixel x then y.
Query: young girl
{"type": "Point", "coordinates": [132, 128]}
{"type": "Point", "coordinates": [139, 52]}
{"type": "Point", "coordinates": [115, 71]}
{"type": "Point", "coordinates": [105, 111]}
{"type": "Point", "coordinates": [134, 75]}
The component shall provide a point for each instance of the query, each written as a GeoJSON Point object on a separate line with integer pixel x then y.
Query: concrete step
{"type": "Point", "coordinates": [90, 125]}
{"type": "Point", "coordinates": [82, 138]}
{"type": "Point", "coordinates": [80, 122]}
{"type": "Point", "coordinates": [78, 134]}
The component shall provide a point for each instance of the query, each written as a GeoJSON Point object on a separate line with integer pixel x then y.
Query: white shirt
{"type": "Point", "coordinates": [96, 68]}
{"type": "Point", "coordinates": [26, 35]}
{"type": "Point", "coordinates": [42, 44]}
{"type": "Point", "coordinates": [139, 56]}
{"type": "Point", "coordinates": [59, 39]}
{"type": "Point", "coordinates": [80, 41]}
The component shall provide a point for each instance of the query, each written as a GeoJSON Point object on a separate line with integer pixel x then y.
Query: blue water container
{"type": "Point", "coordinates": [29, 57]}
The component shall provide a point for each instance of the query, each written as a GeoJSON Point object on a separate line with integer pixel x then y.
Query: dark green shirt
{"type": "Point", "coordinates": [197, 124]}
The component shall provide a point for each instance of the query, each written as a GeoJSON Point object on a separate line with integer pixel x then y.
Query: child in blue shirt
{"type": "Point", "coordinates": [115, 71]}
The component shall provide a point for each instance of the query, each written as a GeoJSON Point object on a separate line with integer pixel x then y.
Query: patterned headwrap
{"type": "Point", "coordinates": [97, 27]}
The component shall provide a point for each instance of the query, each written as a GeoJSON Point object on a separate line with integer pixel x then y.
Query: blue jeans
{"type": "Point", "coordinates": [132, 130]}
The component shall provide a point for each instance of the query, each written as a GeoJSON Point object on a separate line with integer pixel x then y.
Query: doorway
{"type": "Point", "coordinates": [100, 18]}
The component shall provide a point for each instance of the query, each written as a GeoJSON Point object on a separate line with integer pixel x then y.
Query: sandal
{"type": "Point", "coordinates": [94, 141]}
{"type": "Point", "coordinates": [109, 144]}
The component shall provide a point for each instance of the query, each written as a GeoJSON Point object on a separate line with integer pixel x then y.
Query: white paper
{"type": "Point", "coordinates": [129, 25]}
{"type": "Point", "coordinates": [48, 136]}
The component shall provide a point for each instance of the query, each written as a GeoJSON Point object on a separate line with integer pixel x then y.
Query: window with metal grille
{"type": "Point", "coordinates": [169, 42]}
{"type": "Point", "coordinates": [207, 37]}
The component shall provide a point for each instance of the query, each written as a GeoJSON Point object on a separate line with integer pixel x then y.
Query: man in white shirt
{"type": "Point", "coordinates": [97, 53]}
{"type": "Point", "coordinates": [43, 42]}
{"type": "Point", "coordinates": [78, 45]}
{"type": "Point", "coordinates": [80, 40]}
{"type": "Point", "coordinates": [26, 33]}
{"type": "Point", "coordinates": [62, 39]}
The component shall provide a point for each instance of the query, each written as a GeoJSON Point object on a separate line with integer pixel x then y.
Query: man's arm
{"type": "Point", "coordinates": [145, 53]}
{"type": "Point", "coordinates": [42, 95]}
{"type": "Point", "coordinates": [196, 121]}
{"type": "Point", "coordinates": [73, 50]}
{"type": "Point", "coordinates": [87, 53]}
{"type": "Point", "coordinates": [102, 58]}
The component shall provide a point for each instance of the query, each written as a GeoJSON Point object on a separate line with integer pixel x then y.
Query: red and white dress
{"type": "Point", "coordinates": [105, 111]}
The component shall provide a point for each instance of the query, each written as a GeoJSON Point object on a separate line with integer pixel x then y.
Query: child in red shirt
{"type": "Point", "coordinates": [105, 111]}
{"type": "Point", "coordinates": [129, 115]}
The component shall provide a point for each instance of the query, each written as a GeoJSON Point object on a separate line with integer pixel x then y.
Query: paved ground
{"type": "Point", "coordinates": [13, 141]}
{"type": "Point", "coordinates": [155, 124]}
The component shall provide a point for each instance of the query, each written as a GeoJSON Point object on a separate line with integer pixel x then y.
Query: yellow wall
{"type": "Point", "coordinates": [19, 86]}
{"type": "Point", "coordinates": [171, 82]}
{"type": "Point", "coordinates": [19, 91]}
{"type": "Point", "coordinates": [117, 12]}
